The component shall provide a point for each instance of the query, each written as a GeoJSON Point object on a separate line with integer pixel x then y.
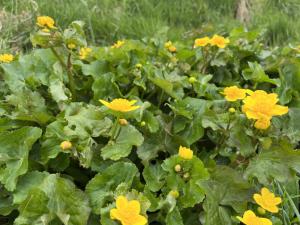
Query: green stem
{"type": "Point", "coordinates": [115, 129]}
{"type": "Point", "coordinates": [68, 68]}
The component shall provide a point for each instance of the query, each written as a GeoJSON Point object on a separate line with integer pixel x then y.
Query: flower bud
{"type": "Point", "coordinates": [123, 122]}
{"type": "Point", "coordinates": [192, 80]}
{"type": "Point", "coordinates": [71, 46]}
{"type": "Point", "coordinates": [261, 211]}
{"type": "Point", "coordinates": [177, 168]}
{"type": "Point", "coordinates": [186, 175]}
{"type": "Point", "coordinates": [174, 193]}
{"type": "Point", "coordinates": [138, 66]}
{"type": "Point", "coordinates": [143, 123]}
{"type": "Point", "coordinates": [65, 145]}
{"type": "Point", "coordinates": [231, 110]}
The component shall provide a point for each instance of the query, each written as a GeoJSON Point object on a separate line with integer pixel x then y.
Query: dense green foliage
{"type": "Point", "coordinates": [51, 95]}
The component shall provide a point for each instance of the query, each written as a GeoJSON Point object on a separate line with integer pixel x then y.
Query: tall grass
{"type": "Point", "coordinates": [108, 20]}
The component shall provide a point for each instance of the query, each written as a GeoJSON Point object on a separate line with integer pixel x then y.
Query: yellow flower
{"type": "Point", "coordinates": [128, 212]}
{"type": "Point", "coordinates": [6, 58]}
{"type": "Point", "coordinates": [267, 200]}
{"type": "Point", "coordinates": [185, 153]}
{"type": "Point", "coordinates": [261, 106]}
{"type": "Point", "coordinates": [219, 41]}
{"type": "Point", "coordinates": [118, 44]}
{"type": "Point", "coordinates": [249, 218]}
{"type": "Point", "coordinates": [170, 46]}
{"type": "Point", "coordinates": [120, 105]}
{"type": "Point", "coordinates": [234, 93]}
{"type": "Point", "coordinates": [65, 145]}
{"type": "Point", "coordinates": [123, 122]}
{"type": "Point", "coordinates": [45, 22]}
{"type": "Point", "coordinates": [201, 42]}
{"type": "Point", "coordinates": [84, 52]}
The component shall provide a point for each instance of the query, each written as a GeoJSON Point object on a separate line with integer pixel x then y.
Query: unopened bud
{"type": "Point", "coordinates": [65, 145]}
{"type": "Point", "coordinates": [123, 122]}
{"type": "Point", "coordinates": [186, 175]}
{"type": "Point", "coordinates": [192, 80]}
{"type": "Point", "coordinates": [232, 110]}
{"type": "Point", "coordinates": [143, 123]}
{"type": "Point", "coordinates": [177, 168]}
{"type": "Point", "coordinates": [261, 211]}
{"type": "Point", "coordinates": [174, 193]}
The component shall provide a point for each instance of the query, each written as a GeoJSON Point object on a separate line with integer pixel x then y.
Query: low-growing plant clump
{"type": "Point", "coordinates": [149, 132]}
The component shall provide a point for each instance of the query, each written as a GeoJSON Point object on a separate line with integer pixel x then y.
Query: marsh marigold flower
{"type": "Point", "coordinates": [261, 106]}
{"type": "Point", "coordinates": [267, 200]}
{"type": "Point", "coordinates": [84, 52]}
{"type": "Point", "coordinates": [249, 218]}
{"type": "Point", "coordinates": [185, 153]}
{"type": "Point", "coordinates": [169, 45]}
{"type": "Point", "coordinates": [45, 22]}
{"type": "Point", "coordinates": [201, 42]}
{"type": "Point", "coordinates": [219, 41]}
{"type": "Point", "coordinates": [128, 212]}
{"type": "Point", "coordinates": [121, 105]}
{"type": "Point", "coordinates": [6, 58]}
{"type": "Point", "coordinates": [234, 93]}
{"type": "Point", "coordinates": [118, 44]}
{"type": "Point", "coordinates": [65, 145]}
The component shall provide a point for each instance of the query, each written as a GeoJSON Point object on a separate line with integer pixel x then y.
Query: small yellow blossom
{"type": "Point", "coordinates": [84, 52]}
{"type": "Point", "coordinates": [232, 110]}
{"type": "Point", "coordinates": [6, 58]}
{"type": "Point", "coordinates": [45, 22]}
{"type": "Point", "coordinates": [249, 218]}
{"type": "Point", "coordinates": [185, 153]}
{"type": "Point", "coordinates": [261, 106]}
{"type": "Point", "coordinates": [123, 122]}
{"type": "Point", "coordinates": [128, 212]}
{"type": "Point", "coordinates": [169, 45]}
{"type": "Point", "coordinates": [65, 145]}
{"type": "Point", "coordinates": [234, 93]}
{"type": "Point", "coordinates": [174, 193]}
{"type": "Point", "coordinates": [219, 41]}
{"type": "Point", "coordinates": [118, 44]}
{"type": "Point", "coordinates": [177, 168]}
{"type": "Point", "coordinates": [267, 200]}
{"type": "Point", "coordinates": [201, 42]}
{"type": "Point", "coordinates": [71, 46]}
{"type": "Point", "coordinates": [120, 105]}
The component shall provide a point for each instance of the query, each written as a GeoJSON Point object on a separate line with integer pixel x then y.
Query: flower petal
{"type": "Point", "coordinates": [107, 104]}
{"type": "Point", "coordinates": [121, 202]}
{"type": "Point", "coordinates": [140, 220]}
{"type": "Point", "coordinates": [265, 221]}
{"type": "Point", "coordinates": [134, 207]}
{"type": "Point", "coordinates": [279, 110]}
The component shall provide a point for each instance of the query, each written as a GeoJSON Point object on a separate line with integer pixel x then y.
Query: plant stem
{"type": "Point", "coordinates": [68, 68]}
{"type": "Point", "coordinates": [115, 129]}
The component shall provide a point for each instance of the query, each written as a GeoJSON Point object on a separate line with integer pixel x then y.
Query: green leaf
{"type": "Point", "coordinates": [14, 150]}
{"type": "Point", "coordinates": [50, 197]}
{"type": "Point", "coordinates": [279, 162]}
{"type": "Point", "coordinates": [101, 188]}
{"type": "Point", "coordinates": [121, 147]}
{"type": "Point", "coordinates": [104, 87]}
{"type": "Point", "coordinates": [174, 217]}
{"type": "Point", "coordinates": [225, 189]}
{"type": "Point", "coordinates": [154, 177]}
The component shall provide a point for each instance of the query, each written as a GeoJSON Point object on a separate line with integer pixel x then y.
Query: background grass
{"type": "Point", "coordinates": [109, 20]}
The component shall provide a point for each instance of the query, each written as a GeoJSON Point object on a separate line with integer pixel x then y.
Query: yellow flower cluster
{"type": "Point", "coordinates": [169, 45]}
{"type": "Point", "coordinates": [84, 52]}
{"type": "Point", "coordinates": [6, 58]}
{"type": "Point", "coordinates": [118, 44]}
{"type": "Point", "coordinates": [120, 105]}
{"type": "Point", "coordinates": [45, 22]}
{"type": "Point", "coordinates": [267, 201]}
{"type": "Point", "coordinates": [216, 40]}
{"type": "Point", "coordinates": [258, 105]}
{"type": "Point", "coordinates": [185, 153]}
{"type": "Point", "coordinates": [128, 212]}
